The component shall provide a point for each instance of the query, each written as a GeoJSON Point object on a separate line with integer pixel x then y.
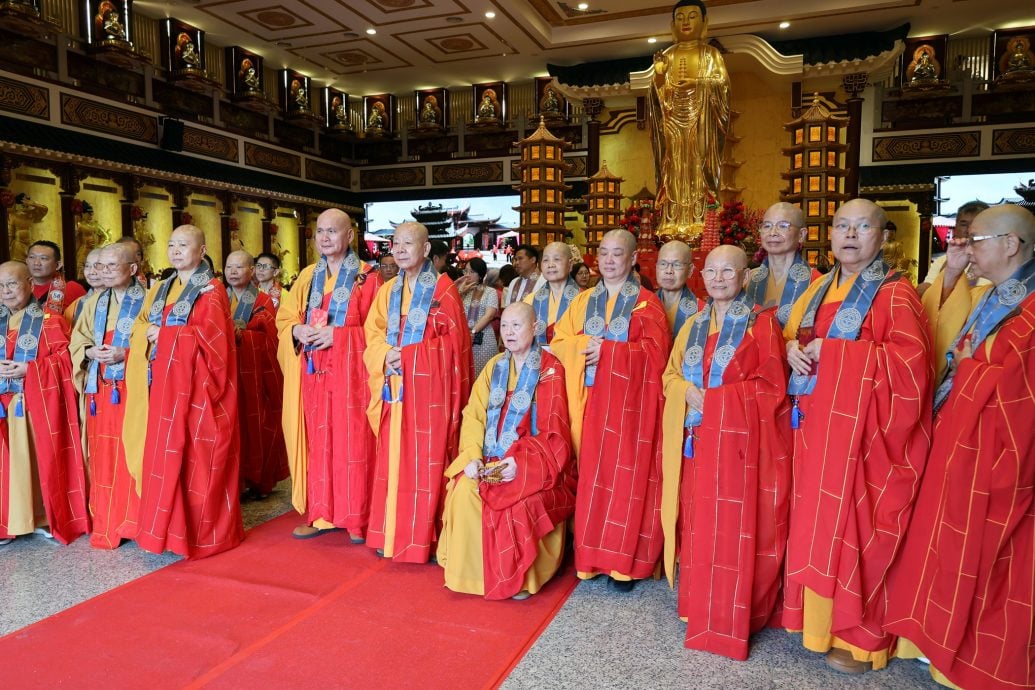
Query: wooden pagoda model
{"type": "Point", "coordinates": [603, 205]}
{"type": "Point", "coordinates": [816, 176]}
{"type": "Point", "coordinates": [542, 187]}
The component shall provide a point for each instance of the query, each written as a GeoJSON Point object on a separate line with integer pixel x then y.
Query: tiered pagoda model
{"type": "Point", "coordinates": [436, 218]}
{"type": "Point", "coordinates": [816, 176]}
{"type": "Point", "coordinates": [542, 187]}
{"type": "Point", "coordinates": [603, 205]}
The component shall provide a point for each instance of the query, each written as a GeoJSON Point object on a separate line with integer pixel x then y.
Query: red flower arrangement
{"type": "Point", "coordinates": [186, 218]}
{"type": "Point", "coordinates": [633, 218]}
{"type": "Point", "coordinates": [234, 225]}
{"type": "Point", "coordinates": [80, 207]}
{"type": "Point", "coordinates": [738, 224]}
{"type": "Point", "coordinates": [274, 229]}
{"type": "Point", "coordinates": [136, 213]}
{"type": "Point", "coordinates": [7, 198]}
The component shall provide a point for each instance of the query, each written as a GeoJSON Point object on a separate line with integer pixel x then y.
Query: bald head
{"type": "Point", "coordinates": [410, 247]}
{"type": "Point", "coordinates": [623, 236]}
{"type": "Point", "coordinates": [120, 265]}
{"type": "Point", "coordinates": [556, 262]}
{"type": "Point", "coordinates": [1007, 236]}
{"type": "Point", "coordinates": [242, 257]}
{"type": "Point", "coordinates": [857, 235]}
{"type": "Point", "coordinates": [15, 285]}
{"type": "Point", "coordinates": [724, 271]}
{"type": "Point", "coordinates": [413, 229]}
{"type": "Point", "coordinates": [193, 232]}
{"type": "Point", "coordinates": [517, 328]}
{"type": "Point", "coordinates": [334, 216]}
{"type": "Point", "coordinates": [1011, 218]}
{"type": "Point", "coordinates": [519, 311]}
{"type": "Point", "coordinates": [138, 249]}
{"type": "Point", "coordinates": [92, 269]}
{"type": "Point", "coordinates": [239, 269]}
{"type": "Point", "coordinates": [675, 263]}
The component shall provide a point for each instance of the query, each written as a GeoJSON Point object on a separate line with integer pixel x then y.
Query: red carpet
{"type": "Point", "coordinates": [281, 612]}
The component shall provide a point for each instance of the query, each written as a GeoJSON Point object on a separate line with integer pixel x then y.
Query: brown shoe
{"type": "Point", "coordinates": [841, 660]}
{"type": "Point", "coordinates": [308, 531]}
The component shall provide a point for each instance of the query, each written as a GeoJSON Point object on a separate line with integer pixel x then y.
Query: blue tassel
{"type": "Point", "coordinates": [115, 394]}
{"type": "Point", "coordinates": [149, 375]}
{"type": "Point", "coordinates": [688, 445]}
{"type": "Point", "coordinates": [796, 415]}
{"type": "Point", "coordinates": [93, 406]}
{"type": "Point", "coordinates": [386, 392]}
{"type": "Point", "coordinates": [309, 368]}
{"type": "Point", "coordinates": [3, 412]}
{"type": "Point", "coordinates": [18, 412]}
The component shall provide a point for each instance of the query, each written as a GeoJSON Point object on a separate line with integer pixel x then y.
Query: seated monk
{"type": "Point", "coordinates": [511, 488]}
{"type": "Point", "coordinates": [41, 459]}
{"type": "Point", "coordinates": [182, 379]}
{"type": "Point", "coordinates": [726, 462]}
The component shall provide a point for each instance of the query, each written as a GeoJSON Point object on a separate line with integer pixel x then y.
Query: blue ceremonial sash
{"type": "Point", "coordinates": [541, 304]}
{"type": "Point", "coordinates": [849, 319]}
{"type": "Point", "coordinates": [26, 348]}
{"type": "Point", "coordinates": [79, 305]}
{"type": "Point", "coordinates": [615, 330]}
{"type": "Point", "coordinates": [181, 309]}
{"type": "Point", "coordinates": [245, 305]}
{"type": "Point", "coordinates": [416, 317]}
{"type": "Point", "coordinates": [687, 307]}
{"type": "Point", "coordinates": [342, 293]}
{"type": "Point", "coordinates": [498, 441]}
{"type": "Point", "coordinates": [996, 306]}
{"type": "Point", "coordinates": [735, 324]}
{"type": "Point", "coordinates": [132, 301]}
{"type": "Point", "coordinates": [799, 277]}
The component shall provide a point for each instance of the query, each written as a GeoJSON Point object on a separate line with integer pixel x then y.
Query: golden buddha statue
{"type": "Point", "coordinates": [429, 114]}
{"type": "Point", "coordinates": [107, 23]}
{"type": "Point", "coordinates": [376, 119]}
{"type": "Point", "coordinates": [299, 95]}
{"type": "Point", "coordinates": [88, 236]}
{"type": "Point", "coordinates": [23, 215]}
{"type": "Point", "coordinates": [1020, 55]}
{"type": "Point", "coordinates": [189, 55]}
{"type": "Point", "coordinates": [249, 77]}
{"type": "Point", "coordinates": [549, 104]}
{"type": "Point", "coordinates": [690, 117]}
{"type": "Point", "coordinates": [925, 68]}
{"type": "Point", "coordinates": [488, 109]}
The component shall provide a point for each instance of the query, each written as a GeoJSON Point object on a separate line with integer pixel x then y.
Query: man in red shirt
{"type": "Point", "coordinates": [48, 284]}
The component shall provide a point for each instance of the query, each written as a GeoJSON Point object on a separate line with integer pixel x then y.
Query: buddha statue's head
{"type": "Point", "coordinates": [689, 21]}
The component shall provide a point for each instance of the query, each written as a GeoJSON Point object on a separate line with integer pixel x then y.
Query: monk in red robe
{"type": "Point", "coordinates": [727, 462]}
{"type": "Point", "coordinates": [188, 467]}
{"type": "Point", "coordinates": [511, 487]}
{"type": "Point", "coordinates": [614, 342]}
{"type": "Point", "coordinates": [419, 359]}
{"type": "Point", "coordinates": [260, 385]}
{"type": "Point", "coordinates": [860, 355]}
{"type": "Point", "coordinates": [329, 440]}
{"type": "Point", "coordinates": [100, 346]}
{"type": "Point", "coordinates": [961, 590]}
{"type": "Point", "coordinates": [42, 484]}
{"type": "Point", "coordinates": [49, 286]}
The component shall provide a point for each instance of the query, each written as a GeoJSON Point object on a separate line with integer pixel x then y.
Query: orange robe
{"type": "Point", "coordinates": [733, 496]}
{"type": "Point", "coordinates": [616, 429]}
{"type": "Point", "coordinates": [418, 436]}
{"type": "Point", "coordinates": [858, 457]}
{"type": "Point", "coordinates": [260, 388]}
{"type": "Point", "coordinates": [329, 441]}
{"type": "Point", "coordinates": [114, 502]}
{"type": "Point", "coordinates": [188, 470]}
{"type": "Point", "coordinates": [515, 516]}
{"type": "Point", "coordinates": [41, 457]}
{"type": "Point", "coordinates": [962, 590]}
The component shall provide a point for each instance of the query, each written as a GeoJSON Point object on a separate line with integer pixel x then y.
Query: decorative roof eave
{"type": "Point", "coordinates": [763, 51]}
{"type": "Point", "coordinates": [201, 182]}
{"type": "Point", "coordinates": [577, 93]}
{"type": "Point", "coordinates": [872, 64]}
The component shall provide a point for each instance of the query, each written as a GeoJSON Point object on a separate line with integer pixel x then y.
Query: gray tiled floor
{"type": "Point", "coordinates": [599, 639]}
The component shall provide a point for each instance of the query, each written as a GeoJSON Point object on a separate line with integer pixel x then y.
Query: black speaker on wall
{"type": "Point", "coordinates": [172, 135]}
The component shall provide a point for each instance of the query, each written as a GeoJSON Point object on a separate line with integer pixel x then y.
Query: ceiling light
{"type": "Point", "coordinates": [454, 19]}
{"type": "Point", "coordinates": [490, 15]}
{"type": "Point", "coordinates": [350, 34]}
{"type": "Point", "coordinates": [784, 25]}
{"type": "Point", "coordinates": [371, 31]}
{"type": "Point", "coordinates": [583, 6]}
{"type": "Point", "coordinates": [652, 40]}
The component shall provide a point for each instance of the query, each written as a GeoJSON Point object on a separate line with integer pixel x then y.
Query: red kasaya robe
{"type": "Point", "coordinates": [189, 467]}
{"type": "Point", "coordinates": [114, 502]}
{"type": "Point", "coordinates": [963, 589]}
{"type": "Point", "coordinates": [517, 514]}
{"type": "Point", "coordinates": [50, 409]}
{"type": "Point", "coordinates": [260, 389]}
{"type": "Point", "coordinates": [616, 428]}
{"type": "Point", "coordinates": [419, 436]}
{"type": "Point", "coordinates": [329, 440]}
{"type": "Point", "coordinates": [858, 457]}
{"type": "Point", "coordinates": [733, 495]}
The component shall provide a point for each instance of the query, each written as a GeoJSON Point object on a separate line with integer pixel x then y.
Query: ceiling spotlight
{"type": "Point", "coordinates": [784, 25]}
{"type": "Point", "coordinates": [652, 40]}
{"type": "Point", "coordinates": [490, 15]}
{"type": "Point", "coordinates": [583, 6]}
{"type": "Point", "coordinates": [371, 31]}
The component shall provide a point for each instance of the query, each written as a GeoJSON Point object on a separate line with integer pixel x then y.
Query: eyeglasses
{"type": "Point", "coordinates": [974, 239]}
{"type": "Point", "coordinates": [841, 227]}
{"type": "Point", "coordinates": [113, 266]}
{"type": "Point", "coordinates": [10, 285]}
{"type": "Point", "coordinates": [674, 265]}
{"type": "Point", "coordinates": [726, 273]}
{"type": "Point", "coordinates": [782, 226]}
{"type": "Point", "coordinates": [265, 267]}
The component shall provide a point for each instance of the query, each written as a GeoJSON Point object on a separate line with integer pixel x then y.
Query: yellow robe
{"type": "Point", "coordinates": [947, 318]}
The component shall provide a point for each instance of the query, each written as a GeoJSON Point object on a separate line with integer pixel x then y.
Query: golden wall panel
{"type": "Point", "coordinates": [628, 155]}
{"type": "Point", "coordinates": [65, 13]}
{"type": "Point", "coordinates": [147, 37]}
{"type": "Point", "coordinates": [249, 228]}
{"type": "Point", "coordinates": [215, 63]}
{"type": "Point", "coordinates": [269, 83]}
{"type": "Point", "coordinates": [205, 210]}
{"type": "Point", "coordinates": [406, 116]}
{"type": "Point", "coordinates": [153, 232]}
{"type": "Point", "coordinates": [907, 223]}
{"type": "Point", "coordinates": [764, 108]}
{"type": "Point", "coordinates": [40, 217]}
{"type": "Point", "coordinates": [106, 224]}
{"type": "Point", "coordinates": [285, 243]}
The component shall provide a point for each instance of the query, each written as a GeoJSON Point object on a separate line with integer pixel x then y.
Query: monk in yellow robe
{"type": "Point", "coordinates": [614, 342]}
{"type": "Point", "coordinates": [553, 298]}
{"type": "Point", "coordinates": [961, 590]}
{"type": "Point", "coordinates": [784, 274]}
{"type": "Point", "coordinates": [675, 264]}
{"type": "Point", "coordinates": [418, 356]}
{"type": "Point", "coordinates": [511, 487]}
{"type": "Point", "coordinates": [859, 352]}
{"type": "Point", "coordinates": [94, 279]}
{"type": "Point", "coordinates": [727, 474]}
